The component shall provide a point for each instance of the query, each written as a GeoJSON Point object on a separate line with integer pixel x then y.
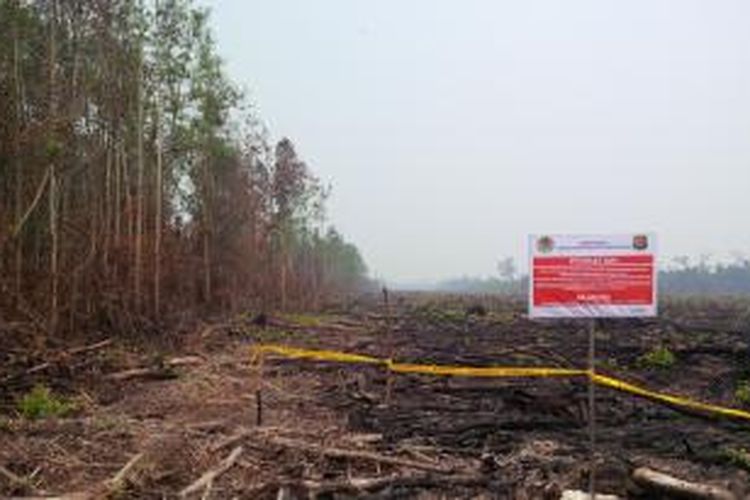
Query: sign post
{"type": "Point", "coordinates": [592, 409]}
{"type": "Point", "coordinates": [390, 347]}
{"type": "Point", "coordinates": [592, 276]}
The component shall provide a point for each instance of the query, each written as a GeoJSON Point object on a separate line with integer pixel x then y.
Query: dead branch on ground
{"type": "Point", "coordinates": [297, 444]}
{"type": "Point", "coordinates": [360, 485]}
{"type": "Point", "coordinates": [662, 484]}
{"type": "Point", "coordinates": [209, 476]}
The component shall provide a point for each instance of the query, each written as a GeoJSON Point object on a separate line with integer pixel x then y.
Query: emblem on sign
{"type": "Point", "coordinates": [640, 242]}
{"type": "Point", "coordinates": [545, 244]}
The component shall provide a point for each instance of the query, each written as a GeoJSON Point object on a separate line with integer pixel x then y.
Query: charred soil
{"type": "Point", "coordinates": [157, 421]}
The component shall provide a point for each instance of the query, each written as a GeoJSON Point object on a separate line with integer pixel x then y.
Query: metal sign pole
{"type": "Point", "coordinates": [592, 409]}
{"type": "Point", "coordinates": [258, 383]}
{"type": "Point", "coordinates": [390, 346]}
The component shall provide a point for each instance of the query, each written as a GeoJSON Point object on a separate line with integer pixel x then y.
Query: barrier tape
{"type": "Point", "coordinates": [318, 355]}
{"type": "Point", "coordinates": [497, 372]}
{"type": "Point", "coordinates": [492, 371]}
{"type": "Point", "coordinates": [670, 399]}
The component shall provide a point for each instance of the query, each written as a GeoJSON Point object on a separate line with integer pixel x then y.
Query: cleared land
{"type": "Point", "coordinates": [153, 419]}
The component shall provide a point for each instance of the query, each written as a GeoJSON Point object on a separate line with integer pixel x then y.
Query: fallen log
{"type": "Point", "coordinates": [209, 476]}
{"type": "Point", "coordinates": [584, 495]}
{"type": "Point", "coordinates": [663, 484]}
{"type": "Point", "coordinates": [361, 485]}
{"type": "Point", "coordinates": [361, 440]}
{"type": "Point", "coordinates": [90, 348]}
{"type": "Point", "coordinates": [67, 496]}
{"type": "Point", "coordinates": [209, 330]}
{"type": "Point", "coordinates": [159, 373]}
{"type": "Point", "coordinates": [296, 444]}
{"type": "Point", "coordinates": [232, 440]}
{"type": "Point", "coordinates": [208, 426]}
{"type": "Point", "coordinates": [15, 479]}
{"type": "Point", "coordinates": [122, 475]}
{"type": "Point", "coordinates": [59, 358]}
{"type": "Point", "coordinates": [185, 361]}
{"type": "Point", "coordinates": [108, 489]}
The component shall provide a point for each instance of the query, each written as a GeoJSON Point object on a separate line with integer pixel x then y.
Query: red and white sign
{"type": "Point", "coordinates": [592, 276]}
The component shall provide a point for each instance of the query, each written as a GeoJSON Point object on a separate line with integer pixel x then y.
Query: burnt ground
{"type": "Point", "coordinates": [178, 409]}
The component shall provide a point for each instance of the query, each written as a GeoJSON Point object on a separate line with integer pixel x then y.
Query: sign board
{"type": "Point", "coordinates": [592, 276]}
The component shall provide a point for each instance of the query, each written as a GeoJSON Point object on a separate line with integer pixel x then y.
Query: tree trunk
{"type": "Point", "coordinates": [116, 202]}
{"type": "Point", "coordinates": [51, 146]}
{"type": "Point", "coordinates": [54, 236]}
{"type": "Point", "coordinates": [206, 265]}
{"type": "Point", "coordinates": [157, 217]}
{"type": "Point", "coordinates": [18, 108]}
{"type": "Point", "coordinates": [139, 195]}
{"type": "Point", "coordinates": [283, 277]}
{"type": "Point", "coordinates": [207, 230]}
{"type": "Point", "coordinates": [107, 208]}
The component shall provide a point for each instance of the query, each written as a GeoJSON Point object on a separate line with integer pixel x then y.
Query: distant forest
{"type": "Point", "coordinates": [137, 182]}
{"type": "Point", "coordinates": [682, 277]}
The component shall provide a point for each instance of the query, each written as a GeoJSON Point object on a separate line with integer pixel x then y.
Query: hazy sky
{"type": "Point", "coordinates": [452, 129]}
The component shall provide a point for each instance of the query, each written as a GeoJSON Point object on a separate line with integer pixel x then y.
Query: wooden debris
{"type": "Point", "coordinates": [663, 484]}
{"type": "Point", "coordinates": [67, 496]}
{"type": "Point", "coordinates": [158, 373]}
{"type": "Point", "coordinates": [209, 476]}
{"type": "Point", "coordinates": [60, 358]}
{"type": "Point", "coordinates": [122, 475]}
{"type": "Point", "coordinates": [90, 348]}
{"type": "Point", "coordinates": [361, 440]}
{"type": "Point", "coordinates": [297, 444]}
{"type": "Point", "coordinates": [584, 495]}
{"type": "Point", "coordinates": [14, 478]}
{"type": "Point", "coordinates": [209, 330]}
{"type": "Point", "coordinates": [185, 361]}
{"type": "Point", "coordinates": [359, 485]}
{"type": "Point", "coordinates": [231, 440]}
{"type": "Point", "coordinates": [208, 426]}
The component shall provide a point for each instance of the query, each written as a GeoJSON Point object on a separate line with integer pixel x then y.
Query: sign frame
{"type": "Point", "coordinates": [610, 261]}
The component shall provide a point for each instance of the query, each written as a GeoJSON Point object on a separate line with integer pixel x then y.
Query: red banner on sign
{"type": "Point", "coordinates": [610, 280]}
{"type": "Point", "coordinates": [592, 276]}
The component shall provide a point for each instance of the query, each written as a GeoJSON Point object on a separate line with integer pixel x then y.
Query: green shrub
{"type": "Point", "coordinates": [453, 316]}
{"type": "Point", "coordinates": [737, 457]}
{"type": "Point", "coordinates": [53, 148]}
{"type": "Point", "coordinates": [279, 336]}
{"type": "Point", "coordinates": [609, 364]}
{"type": "Point", "coordinates": [742, 393]}
{"type": "Point", "coordinates": [304, 320]}
{"type": "Point", "coordinates": [660, 357]}
{"type": "Point", "coordinates": [41, 403]}
{"type": "Point", "coordinates": [309, 320]}
{"type": "Point", "coordinates": [6, 424]}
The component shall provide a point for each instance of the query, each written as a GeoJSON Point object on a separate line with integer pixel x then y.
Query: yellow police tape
{"type": "Point", "coordinates": [491, 371]}
{"type": "Point", "coordinates": [670, 399]}
{"type": "Point", "coordinates": [317, 355]}
{"type": "Point", "coordinates": [497, 371]}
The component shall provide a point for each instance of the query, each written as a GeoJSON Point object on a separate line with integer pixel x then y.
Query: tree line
{"type": "Point", "coordinates": [135, 180]}
{"type": "Point", "coordinates": [701, 276]}
{"type": "Point", "coordinates": [683, 276]}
